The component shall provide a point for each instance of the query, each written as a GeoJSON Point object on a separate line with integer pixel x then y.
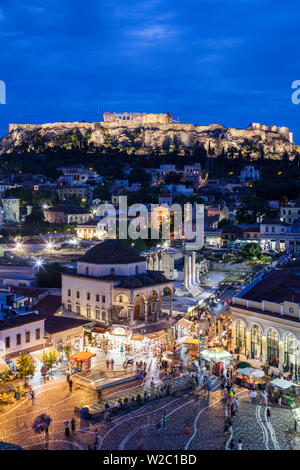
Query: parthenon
{"type": "Point", "coordinates": [140, 118]}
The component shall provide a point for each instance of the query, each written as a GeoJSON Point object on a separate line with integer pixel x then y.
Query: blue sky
{"type": "Point", "coordinates": [225, 61]}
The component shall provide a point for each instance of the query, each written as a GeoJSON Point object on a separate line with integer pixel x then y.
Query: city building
{"type": "Point", "coordinates": [249, 172]}
{"type": "Point", "coordinates": [266, 318]}
{"type": "Point", "coordinates": [11, 210]}
{"type": "Point", "coordinates": [76, 175]}
{"type": "Point", "coordinates": [280, 236]}
{"type": "Point", "coordinates": [290, 212]}
{"type": "Point", "coordinates": [111, 285]}
{"type": "Point", "coordinates": [67, 213]}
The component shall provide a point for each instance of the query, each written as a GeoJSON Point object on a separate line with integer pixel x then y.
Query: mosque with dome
{"type": "Point", "coordinates": [112, 285]}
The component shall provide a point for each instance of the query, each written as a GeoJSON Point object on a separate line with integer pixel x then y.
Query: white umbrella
{"type": "Point", "coordinates": [248, 371]}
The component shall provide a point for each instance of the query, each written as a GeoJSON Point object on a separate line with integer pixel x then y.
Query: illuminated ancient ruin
{"type": "Point", "coordinates": [140, 118]}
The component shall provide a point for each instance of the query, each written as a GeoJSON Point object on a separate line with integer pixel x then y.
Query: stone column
{"type": "Point", "coordinates": [193, 267]}
{"type": "Point", "coordinates": [146, 311]}
{"type": "Point", "coordinates": [185, 271]}
{"type": "Point", "coordinates": [281, 353]}
{"type": "Point", "coordinates": [155, 262]}
{"type": "Point", "coordinates": [160, 263]}
{"type": "Point", "coordinates": [190, 271]}
{"type": "Point", "coordinates": [130, 314]}
{"type": "Point", "coordinates": [264, 348]}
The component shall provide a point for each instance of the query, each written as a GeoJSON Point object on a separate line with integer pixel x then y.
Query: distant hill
{"type": "Point", "coordinates": [147, 138]}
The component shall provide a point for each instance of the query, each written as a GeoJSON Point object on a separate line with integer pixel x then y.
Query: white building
{"type": "Point", "coordinates": [11, 210]}
{"type": "Point", "coordinates": [111, 284]}
{"type": "Point", "coordinates": [249, 172]}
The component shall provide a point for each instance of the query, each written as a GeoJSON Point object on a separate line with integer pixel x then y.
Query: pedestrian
{"type": "Point", "coordinates": [232, 445]}
{"type": "Point", "coordinates": [67, 428]}
{"type": "Point", "coordinates": [268, 415]}
{"type": "Point", "coordinates": [164, 421]}
{"type": "Point", "coordinates": [161, 425]}
{"type": "Point", "coordinates": [70, 385]}
{"type": "Point", "coordinates": [239, 445]}
{"type": "Point", "coordinates": [266, 399]}
{"type": "Point", "coordinates": [112, 364]}
{"type": "Point", "coordinates": [68, 377]}
{"type": "Point", "coordinates": [279, 400]}
{"type": "Point", "coordinates": [96, 437]}
{"type": "Point", "coordinates": [73, 425]}
{"type": "Point", "coordinates": [253, 396]}
{"type": "Point", "coordinates": [32, 397]}
{"type": "Point", "coordinates": [107, 363]}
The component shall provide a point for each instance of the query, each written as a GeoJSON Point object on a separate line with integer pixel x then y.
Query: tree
{"type": "Point", "coordinates": [25, 366]}
{"type": "Point", "coordinates": [67, 350]}
{"type": "Point", "coordinates": [224, 222]}
{"type": "Point", "coordinates": [253, 207]}
{"type": "Point", "coordinates": [35, 218]}
{"type": "Point", "coordinates": [251, 250]}
{"type": "Point", "coordinates": [50, 359]}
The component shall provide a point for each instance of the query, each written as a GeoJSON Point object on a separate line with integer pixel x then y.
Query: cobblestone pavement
{"type": "Point", "coordinates": [204, 418]}
{"type": "Point", "coordinates": [251, 426]}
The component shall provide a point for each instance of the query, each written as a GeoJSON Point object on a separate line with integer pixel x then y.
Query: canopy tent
{"type": "Point", "coordinates": [82, 356]}
{"type": "Point", "coordinates": [248, 372]}
{"type": "Point", "coordinates": [185, 323]}
{"type": "Point", "coordinates": [191, 341]}
{"type": "Point", "coordinates": [282, 384]}
{"type": "Point", "coordinates": [215, 355]}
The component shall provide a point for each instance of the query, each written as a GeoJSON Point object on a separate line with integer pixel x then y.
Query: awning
{"type": "Point", "coordinates": [192, 341]}
{"type": "Point", "coordinates": [215, 355]}
{"type": "Point", "coordinates": [248, 372]}
{"type": "Point", "coordinates": [282, 384]}
{"type": "Point", "coordinates": [137, 337]}
{"type": "Point", "coordinates": [158, 334]}
{"type": "Point", "coordinates": [82, 356]}
{"type": "Point", "coordinates": [185, 323]}
{"type": "Point", "coordinates": [39, 355]}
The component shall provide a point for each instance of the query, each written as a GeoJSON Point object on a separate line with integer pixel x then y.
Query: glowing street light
{"type": "Point", "coordinates": [18, 246]}
{"type": "Point", "coordinates": [45, 206]}
{"type": "Point", "coordinates": [38, 263]}
{"type": "Point", "coordinates": [49, 246]}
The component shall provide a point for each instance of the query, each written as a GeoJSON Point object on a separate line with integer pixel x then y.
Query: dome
{"type": "Point", "coordinates": [112, 252]}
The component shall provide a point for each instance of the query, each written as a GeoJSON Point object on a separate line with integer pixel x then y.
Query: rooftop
{"type": "Point", "coordinates": [281, 284]}
{"type": "Point", "coordinates": [112, 252]}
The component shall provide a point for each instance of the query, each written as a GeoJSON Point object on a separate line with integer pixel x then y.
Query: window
{"type": "Point", "coordinates": [69, 307]}
{"type": "Point", "coordinates": [241, 337]}
{"type": "Point", "coordinates": [78, 309]}
{"type": "Point", "coordinates": [103, 316]}
{"type": "Point", "coordinates": [290, 346]}
{"type": "Point", "coordinates": [69, 292]}
{"type": "Point", "coordinates": [97, 297]}
{"type": "Point", "coordinates": [112, 271]}
{"type": "Point", "coordinates": [283, 212]}
{"type": "Point", "coordinates": [88, 312]}
{"type": "Point", "coordinates": [273, 229]}
{"type": "Point", "coordinates": [86, 271]}
{"type": "Point", "coordinates": [120, 298]}
{"type": "Point", "coordinates": [272, 345]}
{"type": "Point", "coordinates": [77, 294]}
{"type": "Point", "coordinates": [103, 298]}
{"type": "Point", "coordinates": [267, 229]}
{"type": "Point", "coordinates": [97, 313]}
{"type": "Point", "coordinates": [256, 343]}
{"type": "Point", "coordinates": [37, 333]}
{"type": "Point", "coordinates": [7, 342]}
{"type": "Point", "coordinates": [88, 296]}
{"type": "Point", "coordinates": [136, 270]}
{"type": "Point", "coordinates": [18, 339]}
{"type": "Point", "coordinates": [27, 337]}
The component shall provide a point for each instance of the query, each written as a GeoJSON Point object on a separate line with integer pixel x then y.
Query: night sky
{"type": "Point", "coordinates": [225, 61]}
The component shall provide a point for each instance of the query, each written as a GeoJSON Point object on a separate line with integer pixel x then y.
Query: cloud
{"type": "Point", "coordinates": [155, 32]}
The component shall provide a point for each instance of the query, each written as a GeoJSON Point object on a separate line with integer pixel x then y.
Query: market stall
{"type": "Point", "coordinates": [218, 359]}
{"type": "Point", "coordinates": [80, 361]}
{"type": "Point", "coordinates": [249, 377]}
{"type": "Point", "coordinates": [184, 327]}
{"type": "Point", "coordinates": [285, 389]}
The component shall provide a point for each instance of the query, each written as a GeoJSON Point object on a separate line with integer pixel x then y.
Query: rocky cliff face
{"type": "Point", "coordinates": [144, 139]}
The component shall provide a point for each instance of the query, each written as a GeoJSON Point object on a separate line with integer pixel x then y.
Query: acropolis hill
{"type": "Point", "coordinates": [142, 136]}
